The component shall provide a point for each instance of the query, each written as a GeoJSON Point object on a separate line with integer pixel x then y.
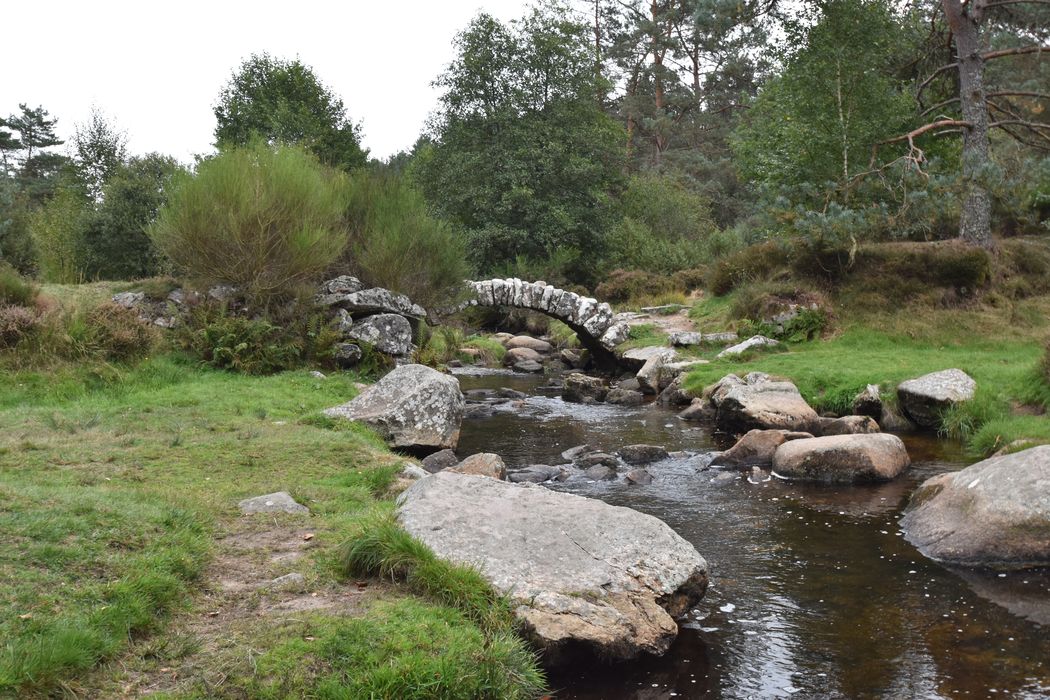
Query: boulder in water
{"type": "Point", "coordinates": [581, 388]}
{"type": "Point", "coordinates": [842, 458]}
{"type": "Point", "coordinates": [482, 464]}
{"type": "Point", "coordinates": [995, 513]}
{"type": "Point", "coordinates": [581, 573]}
{"type": "Point", "coordinates": [755, 449]}
{"type": "Point", "coordinates": [758, 401]}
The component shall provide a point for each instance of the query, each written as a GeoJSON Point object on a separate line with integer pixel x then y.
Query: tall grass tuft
{"type": "Point", "coordinates": [267, 220]}
{"type": "Point", "coordinates": [15, 290]}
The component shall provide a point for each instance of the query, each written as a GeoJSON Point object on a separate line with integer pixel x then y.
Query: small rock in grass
{"type": "Point", "coordinates": [279, 502]}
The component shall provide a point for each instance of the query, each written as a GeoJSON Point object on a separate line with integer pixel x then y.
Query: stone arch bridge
{"type": "Point", "coordinates": [595, 324]}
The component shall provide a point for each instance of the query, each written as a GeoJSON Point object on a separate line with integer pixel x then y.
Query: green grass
{"type": "Point", "coordinates": [402, 649]}
{"type": "Point", "coordinates": [115, 483]}
{"type": "Point", "coordinates": [830, 373]}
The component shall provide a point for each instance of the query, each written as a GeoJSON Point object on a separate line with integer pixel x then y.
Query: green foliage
{"type": "Point", "coordinates": [16, 243]}
{"type": "Point", "coordinates": [113, 333]}
{"type": "Point", "coordinates": [267, 220]}
{"type": "Point", "coordinates": [621, 286]}
{"type": "Point", "coordinates": [225, 340]}
{"type": "Point", "coordinates": [811, 130]}
{"type": "Point", "coordinates": [99, 149]}
{"type": "Point", "coordinates": [14, 288]}
{"type": "Point", "coordinates": [58, 236]}
{"type": "Point", "coordinates": [284, 102]}
{"type": "Point", "coordinates": [665, 226]}
{"type": "Point", "coordinates": [755, 262]}
{"type": "Point", "coordinates": [523, 157]}
{"type": "Point", "coordinates": [397, 244]}
{"type": "Point", "coordinates": [116, 244]}
{"type": "Point", "coordinates": [809, 324]}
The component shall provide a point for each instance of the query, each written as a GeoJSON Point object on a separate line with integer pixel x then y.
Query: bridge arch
{"type": "Point", "coordinates": [594, 322]}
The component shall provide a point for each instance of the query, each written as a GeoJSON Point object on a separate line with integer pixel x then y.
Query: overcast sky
{"type": "Point", "coordinates": [156, 68]}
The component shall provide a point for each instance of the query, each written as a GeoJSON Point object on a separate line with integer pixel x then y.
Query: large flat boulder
{"type": "Point", "coordinates": [413, 407]}
{"type": "Point", "coordinates": [758, 401]}
{"type": "Point", "coordinates": [842, 458]}
{"type": "Point", "coordinates": [995, 513]}
{"type": "Point", "coordinates": [582, 388]}
{"type": "Point", "coordinates": [579, 571]}
{"type": "Point", "coordinates": [925, 398]}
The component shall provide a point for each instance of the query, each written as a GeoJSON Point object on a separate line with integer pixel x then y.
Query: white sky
{"type": "Point", "coordinates": [156, 68]}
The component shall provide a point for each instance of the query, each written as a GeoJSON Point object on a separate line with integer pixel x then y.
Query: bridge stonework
{"type": "Point", "coordinates": [594, 322]}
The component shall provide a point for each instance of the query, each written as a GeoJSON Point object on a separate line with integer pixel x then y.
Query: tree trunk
{"type": "Point", "coordinates": [975, 220]}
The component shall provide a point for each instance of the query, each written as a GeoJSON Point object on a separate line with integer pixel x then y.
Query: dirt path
{"type": "Point", "coordinates": [239, 600]}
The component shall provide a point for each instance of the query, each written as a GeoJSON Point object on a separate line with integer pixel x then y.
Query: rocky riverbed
{"type": "Point", "coordinates": [814, 591]}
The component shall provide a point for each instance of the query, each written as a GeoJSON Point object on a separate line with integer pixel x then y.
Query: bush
{"type": "Point", "coordinates": [223, 340]}
{"type": "Point", "coordinates": [622, 285]}
{"type": "Point", "coordinates": [1045, 365]}
{"type": "Point", "coordinates": [396, 243]}
{"type": "Point", "coordinates": [15, 289]}
{"type": "Point", "coordinates": [748, 264]}
{"type": "Point", "coordinates": [16, 324]}
{"type": "Point", "coordinates": [58, 235]}
{"type": "Point", "coordinates": [691, 279]}
{"type": "Point", "coordinates": [268, 221]}
{"type": "Point", "coordinates": [113, 333]}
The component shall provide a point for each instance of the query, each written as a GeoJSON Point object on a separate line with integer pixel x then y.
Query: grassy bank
{"type": "Point", "coordinates": [127, 568]}
{"type": "Point", "coordinates": [1001, 347]}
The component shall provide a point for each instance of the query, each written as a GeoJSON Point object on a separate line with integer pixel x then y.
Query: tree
{"type": "Point", "coordinates": [522, 156]}
{"type": "Point", "coordinates": [38, 168]}
{"type": "Point", "coordinates": [99, 150]}
{"type": "Point", "coordinates": [284, 101]}
{"type": "Point", "coordinates": [810, 132]}
{"type": "Point", "coordinates": [981, 31]}
{"type": "Point", "coordinates": [9, 146]}
{"type": "Point", "coordinates": [115, 240]}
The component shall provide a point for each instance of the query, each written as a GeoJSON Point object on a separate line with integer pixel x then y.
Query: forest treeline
{"type": "Point", "coordinates": [604, 135]}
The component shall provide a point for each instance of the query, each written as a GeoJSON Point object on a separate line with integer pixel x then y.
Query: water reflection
{"type": "Point", "coordinates": [814, 592]}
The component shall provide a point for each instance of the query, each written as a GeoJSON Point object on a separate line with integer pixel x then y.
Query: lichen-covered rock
{"type": "Point", "coordinates": [995, 513]}
{"type": "Point", "coordinates": [346, 355]}
{"type": "Point", "coordinates": [625, 397]}
{"type": "Point", "coordinates": [925, 398]}
{"type": "Point", "coordinates": [412, 407]}
{"type": "Point", "coordinates": [842, 458]}
{"type": "Point", "coordinates": [368, 302]}
{"type": "Point", "coordinates": [344, 284]}
{"type": "Point", "coordinates": [578, 570]}
{"type": "Point", "coordinates": [442, 459]}
{"type": "Point", "coordinates": [649, 375]}
{"type": "Point", "coordinates": [388, 333]}
{"type": "Point", "coordinates": [519, 354]}
{"type": "Point", "coordinates": [615, 335]}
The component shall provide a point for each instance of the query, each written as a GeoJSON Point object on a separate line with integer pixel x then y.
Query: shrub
{"type": "Point", "coordinates": [15, 289]}
{"type": "Point", "coordinates": [16, 324]}
{"type": "Point", "coordinates": [1045, 365]}
{"type": "Point", "coordinates": [623, 285]}
{"type": "Point", "coordinates": [748, 264]}
{"type": "Point", "coordinates": [265, 220]}
{"type": "Point", "coordinates": [58, 232]}
{"type": "Point", "coordinates": [690, 279]}
{"type": "Point", "coordinates": [223, 340]}
{"type": "Point", "coordinates": [114, 333]}
{"type": "Point", "coordinates": [397, 244]}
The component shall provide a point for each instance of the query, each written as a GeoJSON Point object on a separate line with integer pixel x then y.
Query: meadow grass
{"type": "Point", "coordinates": [115, 484]}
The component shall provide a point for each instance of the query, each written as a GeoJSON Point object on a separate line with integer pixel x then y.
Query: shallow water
{"type": "Point", "coordinates": [814, 592]}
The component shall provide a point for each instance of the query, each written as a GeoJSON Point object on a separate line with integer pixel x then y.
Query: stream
{"type": "Point", "coordinates": [814, 591]}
